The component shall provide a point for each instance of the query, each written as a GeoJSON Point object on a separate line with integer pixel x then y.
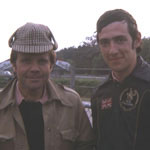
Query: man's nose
{"type": "Point", "coordinates": [34, 66]}
{"type": "Point", "coordinates": [113, 47]}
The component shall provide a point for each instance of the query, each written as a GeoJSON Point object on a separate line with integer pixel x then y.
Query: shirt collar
{"type": "Point", "coordinates": [114, 77]}
{"type": "Point", "coordinates": [141, 70]}
{"type": "Point", "coordinates": [19, 96]}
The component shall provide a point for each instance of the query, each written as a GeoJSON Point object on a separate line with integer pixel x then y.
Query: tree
{"type": "Point", "coordinates": [146, 49]}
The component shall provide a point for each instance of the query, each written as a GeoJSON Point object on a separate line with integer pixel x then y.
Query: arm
{"type": "Point", "coordinates": [94, 118]}
{"type": "Point", "coordinates": [86, 140]}
{"type": "Point", "coordinates": [142, 139]}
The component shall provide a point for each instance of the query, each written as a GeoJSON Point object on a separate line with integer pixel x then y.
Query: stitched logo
{"type": "Point", "coordinates": [106, 103]}
{"type": "Point", "coordinates": [129, 99]}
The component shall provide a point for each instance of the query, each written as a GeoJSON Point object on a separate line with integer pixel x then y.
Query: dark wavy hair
{"type": "Point", "coordinates": [118, 15]}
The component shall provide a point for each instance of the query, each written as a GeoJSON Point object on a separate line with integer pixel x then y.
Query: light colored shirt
{"type": "Point", "coordinates": [19, 96]}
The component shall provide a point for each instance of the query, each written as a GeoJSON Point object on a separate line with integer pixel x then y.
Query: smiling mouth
{"type": "Point", "coordinates": [115, 59]}
{"type": "Point", "coordinates": [34, 78]}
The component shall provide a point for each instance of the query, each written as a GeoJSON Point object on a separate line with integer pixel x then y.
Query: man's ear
{"type": "Point", "coordinates": [14, 68]}
{"type": "Point", "coordinates": [138, 41]}
{"type": "Point", "coordinates": [51, 68]}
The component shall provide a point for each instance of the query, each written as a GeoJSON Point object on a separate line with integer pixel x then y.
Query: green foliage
{"type": "Point", "coordinates": [87, 82]}
{"type": "Point", "coordinates": [146, 49]}
{"type": "Point", "coordinates": [82, 57]}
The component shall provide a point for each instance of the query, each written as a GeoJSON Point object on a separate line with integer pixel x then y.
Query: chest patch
{"type": "Point", "coordinates": [129, 99]}
{"type": "Point", "coordinates": [106, 103]}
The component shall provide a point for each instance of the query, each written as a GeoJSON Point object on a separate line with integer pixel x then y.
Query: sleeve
{"type": "Point", "coordinates": [86, 139]}
{"type": "Point", "coordinates": [7, 130]}
{"type": "Point", "coordinates": [94, 118]}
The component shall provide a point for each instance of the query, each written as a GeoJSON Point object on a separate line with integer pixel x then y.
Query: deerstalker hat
{"type": "Point", "coordinates": [32, 38]}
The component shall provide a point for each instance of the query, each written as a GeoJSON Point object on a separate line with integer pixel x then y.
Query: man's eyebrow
{"type": "Point", "coordinates": [119, 36]}
{"type": "Point", "coordinates": [102, 39]}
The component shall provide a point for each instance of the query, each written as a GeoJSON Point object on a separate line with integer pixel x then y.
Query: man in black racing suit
{"type": "Point", "coordinates": [121, 104]}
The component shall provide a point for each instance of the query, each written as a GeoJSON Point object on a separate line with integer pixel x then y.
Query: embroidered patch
{"type": "Point", "coordinates": [106, 103]}
{"type": "Point", "coordinates": [129, 99]}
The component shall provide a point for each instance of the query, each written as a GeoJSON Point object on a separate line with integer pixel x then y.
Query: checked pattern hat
{"type": "Point", "coordinates": [32, 38]}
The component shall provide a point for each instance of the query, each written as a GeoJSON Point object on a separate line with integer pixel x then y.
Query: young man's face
{"type": "Point", "coordinates": [32, 70]}
{"type": "Point", "coordinates": [117, 46]}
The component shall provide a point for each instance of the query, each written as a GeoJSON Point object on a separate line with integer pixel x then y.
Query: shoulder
{"type": "Point", "coordinates": [69, 96]}
{"type": "Point", "coordinates": [64, 92]}
{"type": "Point", "coordinates": [67, 89]}
{"type": "Point", "coordinates": [7, 94]}
{"type": "Point", "coordinates": [103, 83]}
{"type": "Point", "coordinates": [142, 70]}
{"type": "Point", "coordinates": [101, 87]}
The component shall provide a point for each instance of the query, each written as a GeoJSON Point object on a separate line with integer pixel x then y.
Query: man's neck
{"type": "Point", "coordinates": [118, 76]}
{"type": "Point", "coordinates": [32, 95]}
{"type": "Point", "coordinates": [121, 75]}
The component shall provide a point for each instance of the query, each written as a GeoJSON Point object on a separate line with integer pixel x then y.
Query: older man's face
{"type": "Point", "coordinates": [32, 70]}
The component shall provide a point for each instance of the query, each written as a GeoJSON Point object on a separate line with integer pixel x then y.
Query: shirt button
{"type": "Point", "coordinates": [49, 129]}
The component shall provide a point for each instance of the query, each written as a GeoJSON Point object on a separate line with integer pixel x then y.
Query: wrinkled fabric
{"type": "Point", "coordinates": [66, 125]}
{"type": "Point", "coordinates": [121, 114]}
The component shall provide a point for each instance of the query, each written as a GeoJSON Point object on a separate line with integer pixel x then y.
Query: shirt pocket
{"type": "Point", "coordinates": [67, 139]}
{"type": "Point", "coordinates": [6, 144]}
{"type": "Point", "coordinates": [69, 135]}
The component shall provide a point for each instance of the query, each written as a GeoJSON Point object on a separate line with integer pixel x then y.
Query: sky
{"type": "Point", "coordinates": [70, 21]}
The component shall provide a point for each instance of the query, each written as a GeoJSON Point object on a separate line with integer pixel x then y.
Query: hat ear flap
{"type": "Point", "coordinates": [12, 39]}
{"type": "Point", "coordinates": [55, 45]}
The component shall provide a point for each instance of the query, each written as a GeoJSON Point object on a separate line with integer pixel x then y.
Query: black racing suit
{"type": "Point", "coordinates": [121, 111]}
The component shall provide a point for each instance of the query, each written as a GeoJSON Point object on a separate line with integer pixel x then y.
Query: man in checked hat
{"type": "Point", "coordinates": [35, 113]}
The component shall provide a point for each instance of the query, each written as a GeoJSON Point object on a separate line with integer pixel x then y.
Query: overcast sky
{"type": "Point", "coordinates": [71, 21]}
